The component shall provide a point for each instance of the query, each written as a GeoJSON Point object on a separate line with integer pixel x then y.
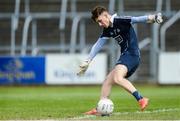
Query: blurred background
{"type": "Point", "coordinates": [44, 41]}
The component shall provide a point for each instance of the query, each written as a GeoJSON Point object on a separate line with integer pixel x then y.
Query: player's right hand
{"type": "Point", "coordinates": [83, 67]}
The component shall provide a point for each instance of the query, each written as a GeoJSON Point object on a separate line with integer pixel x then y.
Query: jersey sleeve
{"type": "Point", "coordinates": [97, 47]}
{"type": "Point", "coordinates": [133, 20]}
{"type": "Point", "coordinates": [124, 19]}
{"type": "Point", "coordinates": [140, 19]}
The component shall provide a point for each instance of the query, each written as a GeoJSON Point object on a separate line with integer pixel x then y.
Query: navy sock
{"type": "Point", "coordinates": [137, 95]}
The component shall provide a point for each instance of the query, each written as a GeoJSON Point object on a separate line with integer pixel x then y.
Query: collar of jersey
{"type": "Point", "coordinates": [112, 18]}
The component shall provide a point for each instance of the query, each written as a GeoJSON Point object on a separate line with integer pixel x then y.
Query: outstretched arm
{"type": "Point", "coordinates": [139, 19]}
{"type": "Point", "coordinates": [94, 50]}
{"type": "Point", "coordinates": [155, 18]}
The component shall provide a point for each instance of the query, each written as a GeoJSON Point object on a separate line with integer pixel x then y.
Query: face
{"type": "Point", "coordinates": [103, 20]}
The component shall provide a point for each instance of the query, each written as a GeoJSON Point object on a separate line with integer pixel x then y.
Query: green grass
{"type": "Point", "coordinates": [69, 102]}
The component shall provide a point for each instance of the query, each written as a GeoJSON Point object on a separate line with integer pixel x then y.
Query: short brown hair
{"type": "Point", "coordinates": [96, 11]}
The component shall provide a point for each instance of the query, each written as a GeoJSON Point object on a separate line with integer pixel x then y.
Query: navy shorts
{"type": "Point", "coordinates": [131, 61]}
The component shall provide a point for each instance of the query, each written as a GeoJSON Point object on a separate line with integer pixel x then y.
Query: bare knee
{"type": "Point", "coordinates": [118, 79]}
{"type": "Point", "coordinates": [120, 72]}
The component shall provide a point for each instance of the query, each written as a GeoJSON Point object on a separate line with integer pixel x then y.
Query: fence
{"type": "Point", "coordinates": [74, 34]}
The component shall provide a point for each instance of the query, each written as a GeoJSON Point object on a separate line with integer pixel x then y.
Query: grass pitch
{"type": "Point", "coordinates": [69, 102]}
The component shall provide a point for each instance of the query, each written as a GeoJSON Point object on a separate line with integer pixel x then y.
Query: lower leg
{"type": "Point", "coordinates": [143, 102]}
{"type": "Point", "coordinates": [119, 78]}
{"type": "Point", "coordinates": [128, 86]}
{"type": "Point", "coordinates": [105, 90]}
{"type": "Point", "coordinates": [107, 85]}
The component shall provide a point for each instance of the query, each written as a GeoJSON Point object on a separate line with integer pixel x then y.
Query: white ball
{"type": "Point", "coordinates": [105, 106]}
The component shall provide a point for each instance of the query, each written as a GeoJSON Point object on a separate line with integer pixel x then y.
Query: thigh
{"type": "Point", "coordinates": [120, 70]}
{"type": "Point", "coordinates": [130, 61]}
{"type": "Point", "coordinates": [118, 73]}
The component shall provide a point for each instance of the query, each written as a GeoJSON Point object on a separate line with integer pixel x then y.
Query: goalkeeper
{"type": "Point", "coordinates": [121, 29]}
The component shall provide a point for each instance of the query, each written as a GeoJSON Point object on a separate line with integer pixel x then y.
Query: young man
{"type": "Point", "coordinates": [121, 29]}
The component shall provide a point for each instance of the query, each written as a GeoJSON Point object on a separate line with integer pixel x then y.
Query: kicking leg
{"type": "Point", "coordinates": [116, 76]}
{"type": "Point", "coordinates": [119, 74]}
{"type": "Point", "coordinates": [120, 71]}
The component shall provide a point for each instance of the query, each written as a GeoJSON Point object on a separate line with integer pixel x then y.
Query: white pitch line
{"type": "Point", "coordinates": [146, 112]}
{"type": "Point", "coordinates": [84, 117]}
{"type": "Point", "coordinates": [126, 113]}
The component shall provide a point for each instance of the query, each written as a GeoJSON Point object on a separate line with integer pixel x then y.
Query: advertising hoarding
{"type": "Point", "coordinates": [62, 69]}
{"type": "Point", "coordinates": [22, 70]}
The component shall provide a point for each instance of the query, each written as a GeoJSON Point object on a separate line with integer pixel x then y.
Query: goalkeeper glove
{"type": "Point", "coordinates": [83, 67]}
{"type": "Point", "coordinates": [158, 18]}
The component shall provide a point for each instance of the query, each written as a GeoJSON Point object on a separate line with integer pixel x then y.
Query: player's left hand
{"type": "Point", "coordinates": [158, 18]}
{"type": "Point", "coordinates": [83, 67]}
